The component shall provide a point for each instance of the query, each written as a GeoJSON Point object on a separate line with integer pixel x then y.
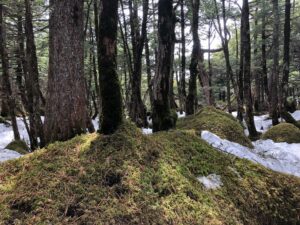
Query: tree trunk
{"type": "Point", "coordinates": [66, 106]}
{"type": "Point", "coordinates": [225, 43]}
{"type": "Point", "coordinates": [181, 88]}
{"type": "Point", "coordinates": [246, 57]}
{"type": "Point", "coordinates": [32, 83]}
{"type": "Point", "coordinates": [112, 115]}
{"type": "Point", "coordinates": [192, 102]}
{"type": "Point", "coordinates": [137, 109]}
{"type": "Point", "coordinates": [274, 79]}
{"type": "Point", "coordinates": [162, 119]}
{"type": "Point", "coordinates": [286, 56]}
{"type": "Point", "coordinates": [9, 98]}
{"type": "Point", "coordinates": [264, 54]}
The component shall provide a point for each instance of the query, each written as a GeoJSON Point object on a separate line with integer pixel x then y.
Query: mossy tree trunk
{"type": "Point", "coordinates": [111, 99]}
{"type": "Point", "coordinates": [9, 98]}
{"type": "Point", "coordinates": [32, 83]}
{"type": "Point", "coordinates": [162, 118]}
{"type": "Point", "coordinates": [66, 106]}
{"type": "Point", "coordinates": [246, 57]}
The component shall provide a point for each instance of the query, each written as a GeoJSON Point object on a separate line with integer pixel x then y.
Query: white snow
{"type": "Point", "coordinates": [7, 155]}
{"type": "Point", "coordinates": [181, 115]}
{"type": "Point", "coordinates": [280, 157]}
{"type": "Point", "coordinates": [296, 115]}
{"type": "Point", "coordinates": [7, 136]}
{"type": "Point", "coordinates": [212, 181]}
{"type": "Point", "coordinates": [263, 123]}
{"type": "Point", "coordinates": [147, 131]}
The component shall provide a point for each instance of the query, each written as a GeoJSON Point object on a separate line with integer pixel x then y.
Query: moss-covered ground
{"type": "Point", "coordinates": [18, 146]}
{"type": "Point", "coordinates": [284, 132]}
{"type": "Point", "coordinates": [218, 122]}
{"type": "Point", "coordinates": [129, 178]}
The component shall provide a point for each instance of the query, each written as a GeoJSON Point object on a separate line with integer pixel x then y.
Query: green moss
{"type": "Point", "coordinates": [18, 146]}
{"type": "Point", "coordinates": [217, 122]}
{"type": "Point", "coordinates": [129, 178]}
{"type": "Point", "coordinates": [284, 132]}
{"type": "Point", "coordinates": [3, 120]}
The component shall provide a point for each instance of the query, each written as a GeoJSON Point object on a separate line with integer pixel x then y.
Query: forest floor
{"type": "Point", "coordinates": [184, 176]}
{"type": "Point", "coordinates": [281, 157]}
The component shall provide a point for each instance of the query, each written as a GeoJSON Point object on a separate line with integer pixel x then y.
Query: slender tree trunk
{"type": "Point", "coordinates": [137, 109]}
{"type": "Point", "coordinates": [286, 55]}
{"type": "Point", "coordinates": [257, 92]}
{"type": "Point", "coordinates": [274, 79]}
{"type": "Point", "coordinates": [32, 83]}
{"type": "Point", "coordinates": [225, 43]}
{"type": "Point", "coordinates": [149, 76]}
{"type": "Point", "coordinates": [182, 83]}
{"type": "Point", "coordinates": [246, 57]}
{"type": "Point", "coordinates": [162, 119]}
{"type": "Point", "coordinates": [191, 102]}
{"type": "Point", "coordinates": [112, 114]}
{"type": "Point", "coordinates": [264, 54]}
{"type": "Point", "coordinates": [66, 106]}
{"type": "Point", "coordinates": [9, 98]}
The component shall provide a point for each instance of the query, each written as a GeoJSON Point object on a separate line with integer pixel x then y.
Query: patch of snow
{"type": "Point", "coordinates": [147, 131]}
{"type": "Point", "coordinates": [280, 157]}
{"type": "Point", "coordinates": [8, 154]}
{"type": "Point", "coordinates": [181, 115]}
{"type": "Point", "coordinates": [96, 123]}
{"type": "Point", "coordinates": [212, 181]}
{"type": "Point", "coordinates": [296, 115]}
{"type": "Point", "coordinates": [263, 123]}
{"type": "Point", "coordinates": [7, 134]}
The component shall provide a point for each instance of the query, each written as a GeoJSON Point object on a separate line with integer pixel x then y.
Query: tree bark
{"type": "Point", "coordinates": [274, 79]}
{"type": "Point", "coordinates": [66, 106]}
{"type": "Point", "coordinates": [162, 119]}
{"type": "Point", "coordinates": [112, 115]}
{"type": "Point", "coordinates": [192, 101]}
{"type": "Point", "coordinates": [182, 82]}
{"type": "Point", "coordinates": [246, 57]}
{"type": "Point", "coordinates": [137, 109]}
{"type": "Point", "coordinates": [286, 56]}
{"type": "Point", "coordinates": [32, 83]}
{"type": "Point", "coordinates": [9, 98]}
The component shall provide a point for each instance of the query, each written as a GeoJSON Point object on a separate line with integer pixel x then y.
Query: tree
{"type": "Point", "coordinates": [191, 101]}
{"type": "Point", "coordinates": [66, 106]}
{"type": "Point", "coordinates": [286, 55]}
{"type": "Point", "coordinates": [274, 78]}
{"type": "Point", "coordinates": [32, 83]}
{"type": "Point", "coordinates": [137, 109]}
{"type": "Point", "coordinates": [9, 98]}
{"type": "Point", "coordinates": [111, 99]}
{"type": "Point", "coordinates": [162, 118]}
{"type": "Point", "coordinates": [246, 67]}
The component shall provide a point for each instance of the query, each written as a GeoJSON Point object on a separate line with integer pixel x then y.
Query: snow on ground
{"type": "Point", "coordinates": [296, 115]}
{"type": "Point", "coordinates": [147, 131]}
{"type": "Point", "coordinates": [263, 123]}
{"type": "Point", "coordinates": [181, 115]}
{"type": "Point", "coordinates": [280, 157]}
{"type": "Point", "coordinates": [212, 181]}
{"type": "Point", "coordinates": [7, 155]}
{"type": "Point", "coordinates": [7, 136]}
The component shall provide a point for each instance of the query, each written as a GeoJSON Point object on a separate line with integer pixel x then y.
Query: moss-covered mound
{"type": "Point", "coordinates": [129, 178]}
{"type": "Point", "coordinates": [18, 146]}
{"type": "Point", "coordinates": [284, 132]}
{"type": "Point", "coordinates": [218, 122]}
